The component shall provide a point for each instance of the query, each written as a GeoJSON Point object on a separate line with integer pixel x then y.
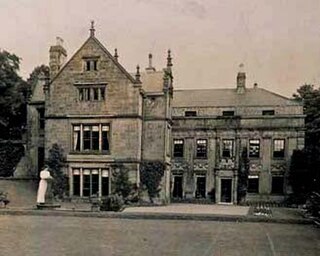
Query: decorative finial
{"type": "Point", "coordinates": [150, 60]}
{"type": "Point", "coordinates": [169, 59]}
{"type": "Point", "coordinates": [92, 30]}
{"type": "Point", "coordinates": [138, 74]}
{"type": "Point", "coordinates": [116, 54]}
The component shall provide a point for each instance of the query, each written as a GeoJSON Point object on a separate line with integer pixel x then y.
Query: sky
{"type": "Point", "coordinates": [278, 41]}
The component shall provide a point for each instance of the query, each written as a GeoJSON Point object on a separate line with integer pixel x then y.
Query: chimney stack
{"type": "Point", "coordinates": [150, 67]}
{"type": "Point", "coordinates": [241, 80]}
{"type": "Point", "coordinates": [57, 58]}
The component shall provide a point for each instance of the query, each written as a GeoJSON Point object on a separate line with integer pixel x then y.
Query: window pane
{"type": "Point", "coordinates": [227, 148]}
{"type": "Point", "coordinates": [178, 148]}
{"type": "Point", "coordinates": [102, 93]}
{"type": "Point", "coordinates": [201, 148]}
{"type": "Point", "coordinates": [81, 94]}
{"type": "Point", "coordinates": [254, 148]}
{"type": "Point", "coordinates": [190, 113]}
{"type": "Point", "coordinates": [88, 65]}
{"type": "Point", "coordinates": [94, 184]}
{"type": "Point", "coordinates": [95, 65]}
{"type": "Point", "coordinates": [86, 139]}
{"type": "Point", "coordinates": [105, 186]}
{"type": "Point", "coordinates": [76, 184]}
{"type": "Point", "coordinates": [228, 113]}
{"type": "Point", "coordinates": [95, 140]}
{"type": "Point", "coordinates": [105, 140]}
{"type": "Point", "coordinates": [95, 93]}
{"type": "Point", "coordinates": [278, 148]}
{"type": "Point", "coordinates": [86, 184]}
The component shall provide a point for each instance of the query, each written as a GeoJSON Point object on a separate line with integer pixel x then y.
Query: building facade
{"type": "Point", "coordinates": [101, 116]}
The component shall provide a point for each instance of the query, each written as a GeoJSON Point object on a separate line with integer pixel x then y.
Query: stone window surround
{"type": "Point", "coordinates": [80, 149]}
{"type": "Point", "coordinates": [81, 171]}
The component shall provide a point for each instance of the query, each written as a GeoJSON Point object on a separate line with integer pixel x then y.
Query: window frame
{"type": "Point", "coordinates": [88, 93]}
{"type": "Point", "coordinates": [276, 154]}
{"type": "Point", "coordinates": [223, 148]}
{"type": "Point", "coordinates": [273, 191]}
{"type": "Point", "coordinates": [259, 148]}
{"type": "Point", "coordinates": [91, 64]}
{"type": "Point", "coordinates": [204, 154]}
{"type": "Point", "coordinates": [228, 113]}
{"type": "Point", "coordinates": [79, 138]}
{"type": "Point", "coordinates": [253, 190]}
{"type": "Point", "coordinates": [190, 113]}
{"type": "Point", "coordinates": [268, 112]}
{"type": "Point", "coordinates": [181, 155]}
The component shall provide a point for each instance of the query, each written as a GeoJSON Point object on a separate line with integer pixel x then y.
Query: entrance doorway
{"type": "Point", "coordinates": [177, 187]}
{"type": "Point", "coordinates": [226, 191]}
{"type": "Point", "coordinates": [201, 187]}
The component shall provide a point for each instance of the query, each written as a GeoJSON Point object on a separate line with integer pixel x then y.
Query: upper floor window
{"type": "Point", "coordinates": [41, 118]}
{"type": "Point", "coordinates": [178, 145]}
{"type": "Point", "coordinates": [268, 112]}
{"type": "Point", "coordinates": [201, 148]}
{"type": "Point", "coordinates": [91, 137]}
{"type": "Point", "coordinates": [254, 148]}
{"type": "Point", "coordinates": [91, 93]}
{"type": "Point", "coordinates": [278, 148]}
{"type": "Point", "coordinates": [227, 148]}
{"type": "Point", "coordinates": [91, 64]}
{"type": "Point", "coordinates": [190, 113]}
{"type": "Point", "coordinates": [228, 113]}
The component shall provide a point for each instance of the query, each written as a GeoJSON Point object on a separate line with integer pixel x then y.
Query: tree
{"type": "Point", "coordinates": [151, 173]}
{"type": "Point", "coordinates": [12, 97]}
{"type": "Point", "coordinates": [243, 175]}
{"type": "Point", "coordinates": [34, 76]}
{"type": "Point", "coordinates": [55, 163]}
{"type": "Point", "coordinates": [299, 174]}
{"type": "Point", "coordinates": [310, 97]}
{"type": "Point", "coordinates": [10, 155]}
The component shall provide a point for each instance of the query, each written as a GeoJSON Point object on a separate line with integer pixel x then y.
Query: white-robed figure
{"type": "Point", "coordinates": [43, 184]}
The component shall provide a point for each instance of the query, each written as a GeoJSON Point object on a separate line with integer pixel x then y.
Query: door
{"type": "Point", "coordinates": [177, 187]}
{"type": "Point", "coordinates": [201, 187]}
{"type": "Point", "coordinates": [226, 191]}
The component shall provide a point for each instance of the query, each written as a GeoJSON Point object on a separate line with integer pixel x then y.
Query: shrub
{"type": "Point", "coordinates": [113, 203]}
{"type": "Point", "coordinates": [151, 173]}
{"type": "Point", "coordinates": [120, 181]}
{"type": "Point", "coordinates": [243, 173]}
{"type": "Point", "coordinates": [4, 198]}
{"type": "Point", "coordinates": [55, 163]}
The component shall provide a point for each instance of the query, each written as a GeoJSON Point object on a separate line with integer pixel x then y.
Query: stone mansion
{"type": "Point", "coordinates": [100, 114]}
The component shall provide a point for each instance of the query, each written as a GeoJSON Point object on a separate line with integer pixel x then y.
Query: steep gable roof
{"type": "Point", "coordinates": [228, 97]}
{"type": "Point", "coordinates": [121, 68]}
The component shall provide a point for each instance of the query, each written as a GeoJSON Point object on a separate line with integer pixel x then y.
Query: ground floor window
{"type": "Point", "coordinates": [277, 185]}
{"type": "Point", "coordinates": [253, 184]}
{"type": "Point", "coordinates": [201, 187]}
{"type": "Point", "coordinates": [226, 190]}
{"type": "Point", "coordinates": [177, 187]}
{"type": "Point", "coordinates": [90, 181]}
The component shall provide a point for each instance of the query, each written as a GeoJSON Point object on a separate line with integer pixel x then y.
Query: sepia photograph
{"type": "Point", "coordinates": [160, 127]}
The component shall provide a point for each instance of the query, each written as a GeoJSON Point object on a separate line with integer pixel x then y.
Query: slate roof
{"type": "Point", "coordinates": [228, 97]}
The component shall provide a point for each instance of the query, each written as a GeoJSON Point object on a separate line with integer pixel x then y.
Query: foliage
{"type": "Point", "coordinates": [310, 97]}
{"type": "Point", "coordinates": [120, 181]}
{"type": "Point", "coordinates": [12, 97]}
{"type": "Point", "coordinates": [151, 173]}
{"type": "Point", "coordinates": [35, 75]}
{"type": "Point", "coordinates": [10, 155]}
{"type": "Point", "coordinates": [112, 203]}
{"type": "Point", "coordinates": [243, 175]}
{"type": "Point", "coordinates": [55, 163]}
{"type": "Point", "coordinates": [4, 198]}
{"type": "Point", "coordinates": [299, 176]}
